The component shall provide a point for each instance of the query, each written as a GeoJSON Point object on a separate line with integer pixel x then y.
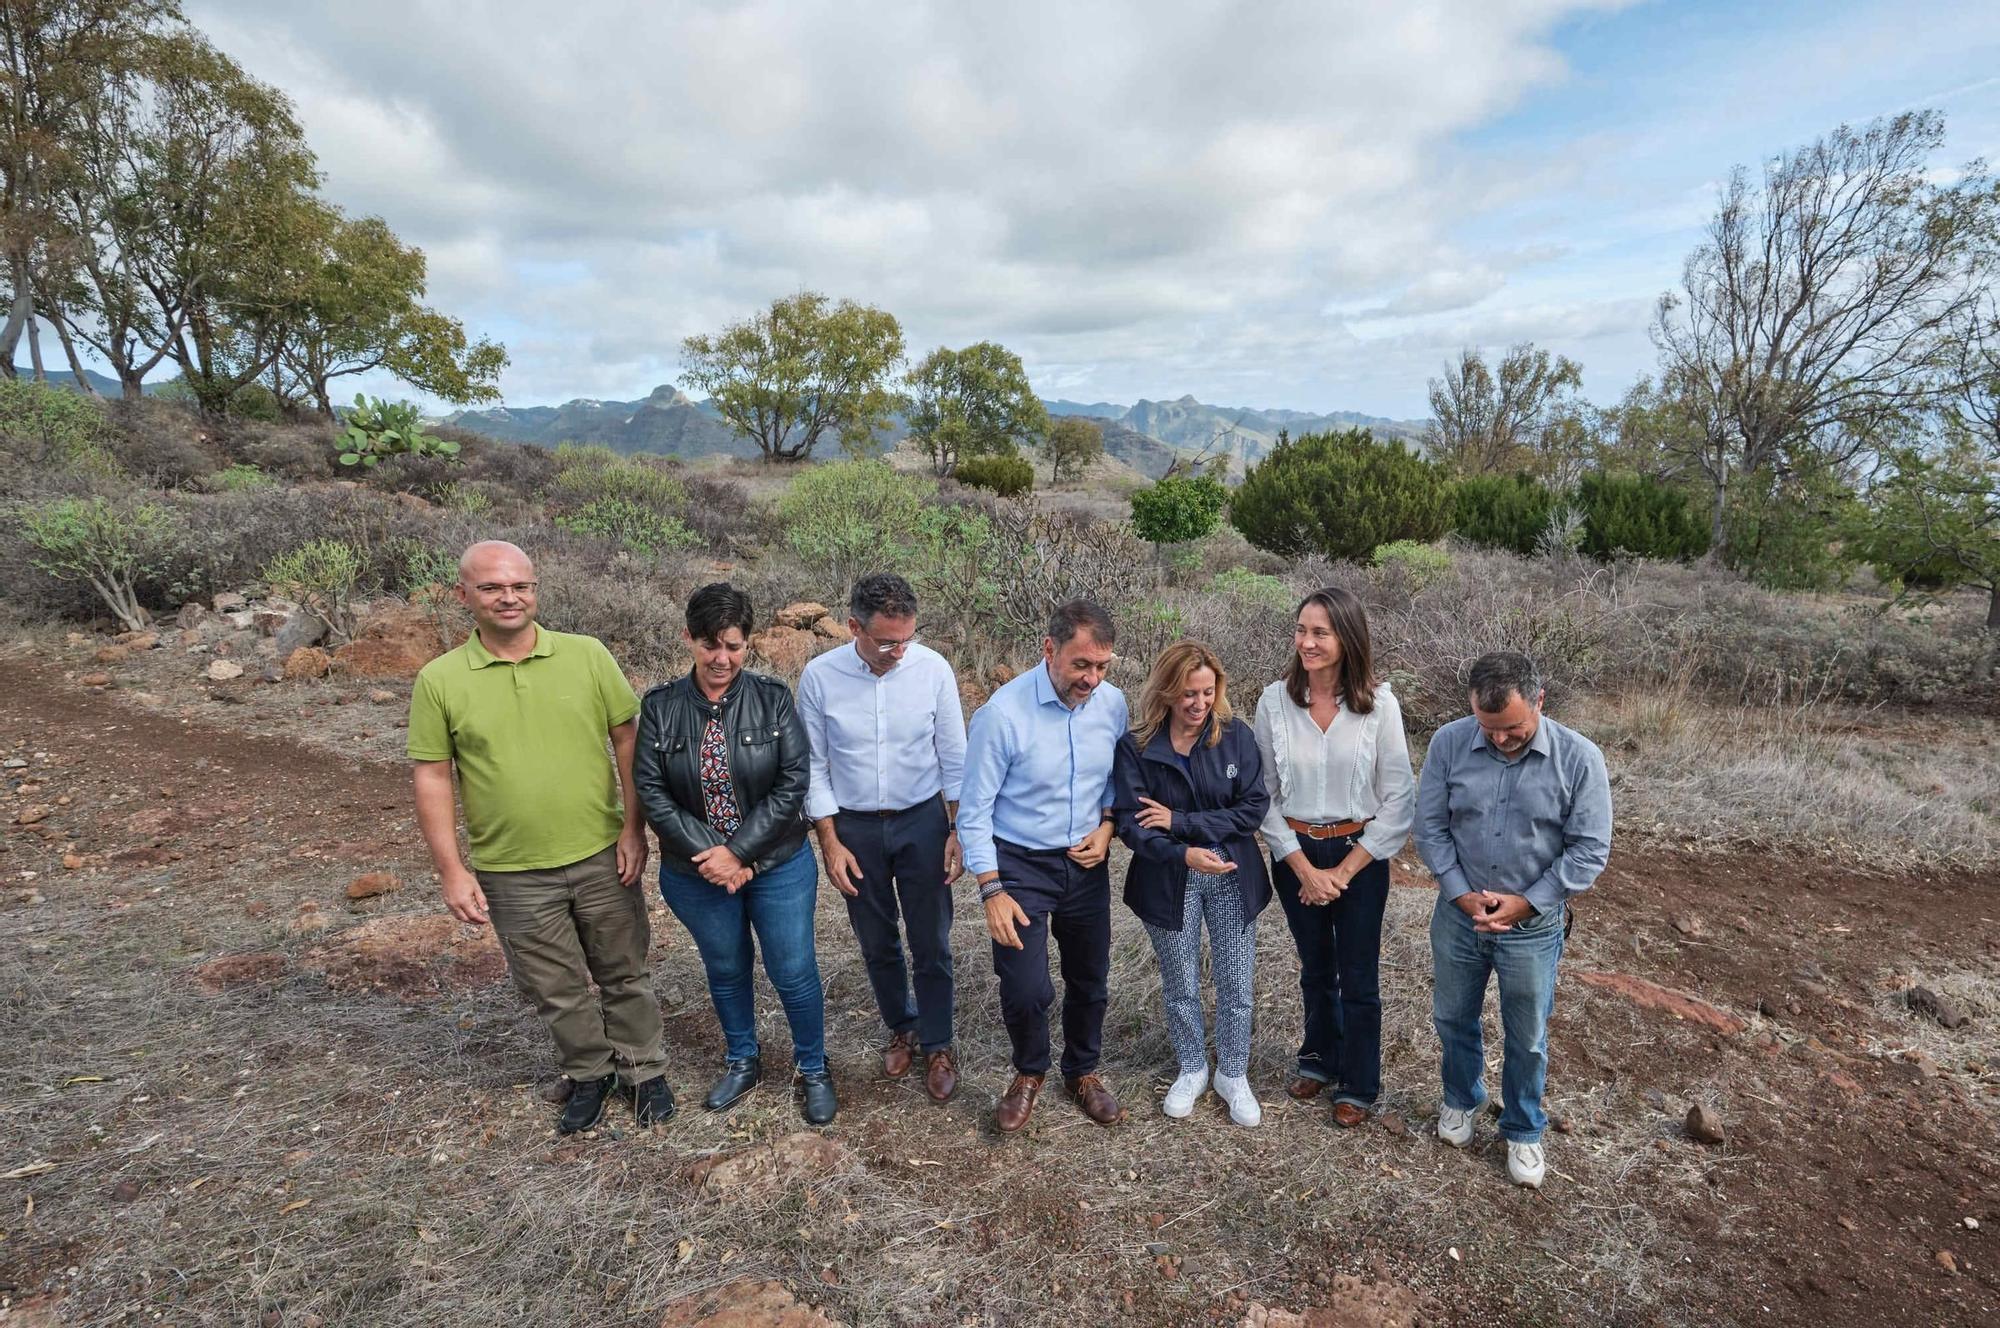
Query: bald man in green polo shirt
{"type": "Point", "coordinates": [523, 714]}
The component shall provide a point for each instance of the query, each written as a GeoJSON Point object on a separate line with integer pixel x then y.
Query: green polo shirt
{"type": "Point", "coordinates": [534, 770]}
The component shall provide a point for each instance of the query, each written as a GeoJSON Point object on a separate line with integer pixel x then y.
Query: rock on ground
{"type": "Point", "coordinates": [800, 615]}
{"type": "Point", "coordinates": [745, 1305]}
{"type": "Point", "coordinates": [785, 649]}
{"type": "Point", "coordinates": [1652, 996]}
{"type": "Point", "coordinates": [395, 640]}
{"type": "Point", "coordinates": [1354, 1302]}
{"type": "Point", "coordinates": [763, 1167]}
{"type": "Point", "coordinates": [240, 970]}
{"type": "Point", "coordinates": [409, 955]}
{"type": "Point", "coordinates": [369, 884]}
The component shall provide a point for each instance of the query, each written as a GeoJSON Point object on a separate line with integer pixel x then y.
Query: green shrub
{"type": "Point", "coordinates": [321, 575]}
{"type": "Point", "coordinates": [1636, 514]}
{"type": "Point", "coordinates": [589, 474]}
{"type": "Point", "coordinates": [1418, 563]}
{"type": "Point", "coordinates": [1008, 474]}
{"type": "Point", "coordinates": [1340, 494]}
{"type": "Point", "coordinates": [1253, 588]}
{"type": "Point", "coordinates": [377, 429]}
{"type": "Point", "coordinates": [112, 544]}
{"type": "Point", "coordinates": [1179, 509]}
{"type": "Point", "coordinates": [237, 477]}
{"type": "Point", "coordinates": [644, 530]}
{"type": "Point", "coordinates": [1501, 511]}
{"type": "Point", "coordinates": [846, 518]}
{"type": "Point", "coordinates": [44, 425]}
{"type": "Point", "coordinates": [1780, 531]}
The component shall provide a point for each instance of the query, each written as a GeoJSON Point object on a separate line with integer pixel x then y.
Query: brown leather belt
{"type": "Point", "coordinates": [1323, 830]}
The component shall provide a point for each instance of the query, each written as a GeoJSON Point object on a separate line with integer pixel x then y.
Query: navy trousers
{"type": "Point", "coordinates": [1073, 905]}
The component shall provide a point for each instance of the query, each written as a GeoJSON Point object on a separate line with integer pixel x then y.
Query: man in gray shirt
{"type": "Point", "coordinates": [1513, 818]}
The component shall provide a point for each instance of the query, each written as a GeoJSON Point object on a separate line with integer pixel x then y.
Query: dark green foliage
{"type": "Point", "coordinates": [1008, 474]}
{"type": "Point", "coordinates": [1502, 511]}
{"type": "Point", "coordinates": [1341, 494]}
{"type": "Point", "coordinates": [1779, 531]}
{"type": "Point", "coordinates": [1636, 514]}
{"type": "Point", "coordinates": [1178, 509]}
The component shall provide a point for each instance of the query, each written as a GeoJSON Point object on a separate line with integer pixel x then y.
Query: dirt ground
{"type": "Point", "coordinates": [238, 1096]}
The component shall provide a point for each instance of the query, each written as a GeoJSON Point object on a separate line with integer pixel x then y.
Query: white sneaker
{"type": "Point", "coordinates": [1235, 1090]}
{"type": "Point", "coordinates": [1455, 1126]}
{"type": "Point", "coordinates": [1524, 1164]}
{"type": "Point", "coordinates": [1187, 1090]}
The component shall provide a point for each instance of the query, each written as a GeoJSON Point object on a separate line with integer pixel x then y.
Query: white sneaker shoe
{"type": "Point", "coordinates": [1187, 1090]}
{"type": "Point", "coordinates": [1455, 1126]}
{"type": "Point", "coordinates": [1525, 1164]}
{"type": "Point", "coordinates": [1243, 1107]}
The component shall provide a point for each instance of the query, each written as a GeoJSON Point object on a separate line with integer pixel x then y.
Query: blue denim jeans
{"type": "Point", "coordinates": [778, 907]}
{"type": "Point", "coordinates": [1524, 961]}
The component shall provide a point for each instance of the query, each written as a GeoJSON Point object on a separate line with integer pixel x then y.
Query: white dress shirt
{"type": "Point", "coordinates": [881, 742]}
{"type": "Point", "coordinates": [1357, 769]}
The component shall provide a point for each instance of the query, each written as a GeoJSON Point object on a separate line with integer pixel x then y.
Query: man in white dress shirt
{"type": "Point", "coordinates": [888, 755]}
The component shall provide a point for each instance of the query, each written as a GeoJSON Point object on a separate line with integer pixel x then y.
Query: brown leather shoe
{"type": "Point", "coordinates": [1097, 1101]}
{"type": "Point", "coordinates": [940, 1075]}
{"type": "Point", "coordinates": [1017, 1103]}
{"type": "Point", "coordinates": [1346, 1115]}
{"type": "Point", "coordinates": [896, 1057]}
{"type": "Point", "coordinates": [1304, 1089]}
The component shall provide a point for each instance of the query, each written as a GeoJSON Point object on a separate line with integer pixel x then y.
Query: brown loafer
{"type": "Point", "coordinates": [896, 1057]}
{"type": "Point", "coordinates": [1347, 1115]}
{"type": "Point", "coordinates": [940, 1075]}
{"type": "Point", "coordinates": [1304, 1089]}
{"type": "Point", "coordinates": [1017, 1103]}
{"type": "Point", "coordinates": [1097, 1101]}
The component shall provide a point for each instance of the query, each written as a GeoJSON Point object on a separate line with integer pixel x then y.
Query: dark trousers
{"type": "Point", "coordinates": [902, 859]}
{"type": "Point", "coordinates": [1072, 904]}
{"type": "Point", "coordinates": [1340, 972]}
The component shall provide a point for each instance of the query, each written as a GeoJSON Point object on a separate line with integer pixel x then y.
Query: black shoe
{"type": "Point", "coordinates": [816, 1100]}
{"type": "Point", "coordinates": [586, 1104]}
{"type": "Point", "coordinates": [653, 1102]}
{"type": "Point", "coordinates": [738, 1078]}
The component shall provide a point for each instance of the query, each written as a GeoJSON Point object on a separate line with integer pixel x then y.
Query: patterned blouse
{"type": "Point", "coordinates": [717, 796]}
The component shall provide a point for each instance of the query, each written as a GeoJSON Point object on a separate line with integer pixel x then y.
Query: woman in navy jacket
{"type": "Point", "coordinates": [1190, 796]}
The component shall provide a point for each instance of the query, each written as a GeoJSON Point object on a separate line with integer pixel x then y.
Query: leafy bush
{"type": "Point", "coordinates": [287, 451]}
{"type": "Point", "coordinates": [642, 529]}
{"type": "Point", "coordinates": [111, 544]}
{"type": "Point", "coordinates": [1779, 531]}
{"type": "Point", "coordinates": [1008, 474]}
{"type": "Point", "coordinates": [1636, 514]}
{"type": "Point", "coordinates": [321, 575]}
{"type": "Point", "coordinates": [377, 429]}
{"type": "Point", "coordinates": [1501, 511]}
{"type": "Point", "coordinates": [590, 475]}
{"type": "Point", "coordinates": [848, 518]}
{"type": "Point", "coordinates": [1178, 509]}
{"type": "Point", "coordinates": [1340, 494]}
{"type": "Point", "coordinates": [1256, 588]}
{"type": "Point", "coordinates": [1416, 563]}
{"type": "Point", "coordinates": [238, 476]}
{"type": "Point", "coordinates": [43, 425]}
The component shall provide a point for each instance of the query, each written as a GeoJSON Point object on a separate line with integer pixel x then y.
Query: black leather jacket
{"type": "Point", "coordinates": [767, 768]}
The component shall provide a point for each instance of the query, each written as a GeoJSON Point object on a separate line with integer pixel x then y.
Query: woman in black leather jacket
{"type": "Point", "coordinates": [721, 769]}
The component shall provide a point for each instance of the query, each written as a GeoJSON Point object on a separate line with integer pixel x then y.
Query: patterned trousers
{"type": "Point", "coordinates": [1232, 953]}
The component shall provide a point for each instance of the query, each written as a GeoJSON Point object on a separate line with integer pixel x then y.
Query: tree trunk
{"type": "Point", "coordinates": [1993, 606]}
{"type": "Point", "coordinates": [1715, 523]}
{"type": "Point", "coordinates": [18, 313]}
{"type": "Point", "coordinates": [131, 386]}
{"type": "Point", "coordinates": [35, 348]}
{"type": "Point", "coordinates": [83, 384]}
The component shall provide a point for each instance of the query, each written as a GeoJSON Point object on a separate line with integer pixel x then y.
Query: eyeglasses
{"type": "Point", "coordinates": [519, 588]}
{"type": "Point", "coordinates": [891, 647]}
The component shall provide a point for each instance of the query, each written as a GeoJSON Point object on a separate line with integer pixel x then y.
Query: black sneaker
{"type": "Point", "coordinates": [653, 1102]}
{"type": "Point", "coordinates": [586, 1104]}
{"type": "Point", "coordinates": [816, 1100]}
{"type": "Point", "coordinates": [738, 1078]}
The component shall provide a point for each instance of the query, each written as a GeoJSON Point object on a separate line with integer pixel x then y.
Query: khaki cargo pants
{"type": "Point", "coordinates": [564, 928]}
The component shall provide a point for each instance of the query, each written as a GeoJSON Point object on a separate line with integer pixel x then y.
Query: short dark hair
{"type": "Point", "coordinates": [1496, 676]}
{"type": "Point", "coordinates": [881, 592]}
{"type": "Point", "coordinates": [715, 608]}
{"type": "Point", "coordinates": [1082, 615]}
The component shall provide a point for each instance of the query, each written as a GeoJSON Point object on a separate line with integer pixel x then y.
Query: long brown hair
{"type": "Point", "coordinates": [1357, 651]}
{"type": "Point", "coordinates": [1166, 682]}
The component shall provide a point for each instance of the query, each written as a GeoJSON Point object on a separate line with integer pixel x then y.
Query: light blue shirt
{"type": "Point", "coordinates": [1037, 773]}
{"type": "Point", "coordinates": [881, 742]}
{"type": "Point", "coordinates": [1538, 825]}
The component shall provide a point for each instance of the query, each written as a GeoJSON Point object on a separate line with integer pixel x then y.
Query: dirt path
{"type": "Point", "coordinates": [340, 1123]}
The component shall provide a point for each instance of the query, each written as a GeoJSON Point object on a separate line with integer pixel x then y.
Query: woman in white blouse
{"type": "Point", "coordinates": [1337, 765]}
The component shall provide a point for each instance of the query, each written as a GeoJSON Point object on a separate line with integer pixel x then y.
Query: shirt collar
{"type": "Point", "coordinates": [1541, 742]}
{"type": "Point", "coordinates": [479, 656]}
{"type": "Point", "coordinates": [1045, 690]}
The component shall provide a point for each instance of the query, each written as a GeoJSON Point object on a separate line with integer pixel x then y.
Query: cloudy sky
{"type": "Point", "coordinates": [1269, 204]}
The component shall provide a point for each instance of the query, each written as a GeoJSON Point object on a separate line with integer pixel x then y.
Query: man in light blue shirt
{"type": "Point", "coordinates": [1513, 819]}
{"type": "Point", "coordinates": [1035, 820]}
{"type": "Point", "coordinates": [888, 753]}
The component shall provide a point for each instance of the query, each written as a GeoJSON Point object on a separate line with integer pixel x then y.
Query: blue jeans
{"type": "Point", "coordinates": [1340, 972]}
{"type": "Point", "coordinates": [1524, 960]}
{"type": "Point", "coordinates": [778, 906]}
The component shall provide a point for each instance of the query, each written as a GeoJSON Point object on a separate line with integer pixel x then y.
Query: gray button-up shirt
{"type": "Point", "coordinates": [1538, 825]}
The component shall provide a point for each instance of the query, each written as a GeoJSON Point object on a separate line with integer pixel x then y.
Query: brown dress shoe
{"type": "Point", "coordinates": [1304, 1089]}
{"type": "Point", "coordinates": [1346, 1115]}
{"type": "Point", "coordinates": [940, 1075]}
{"type": "Point", "coordinates": [1017, 1103]}
{"type": "Point", "coordinates": [896, 1057]}
{"type": "Point", "coordinates": [1097, 1101]}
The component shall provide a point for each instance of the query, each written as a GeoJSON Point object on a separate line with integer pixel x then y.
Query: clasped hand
{"type": "Point", "coordinates": [718, 866]}
{"type": "Point", "coordinates": [1493, 911]}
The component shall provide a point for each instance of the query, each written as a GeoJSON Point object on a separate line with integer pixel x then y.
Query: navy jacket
{"type": "Point", "coordinates": [1222, 805]}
